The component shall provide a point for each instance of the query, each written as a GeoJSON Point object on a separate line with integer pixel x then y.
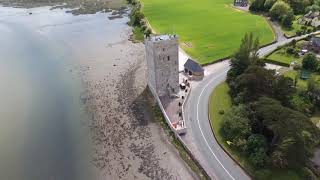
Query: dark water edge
{"type": "Point", "coordinates": [42, 119]}
{"type": "Point", "coordinates": [77, 7]}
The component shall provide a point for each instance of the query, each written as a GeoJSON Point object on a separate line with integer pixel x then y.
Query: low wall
{"type": "Point", "coordinates": [155, 95]}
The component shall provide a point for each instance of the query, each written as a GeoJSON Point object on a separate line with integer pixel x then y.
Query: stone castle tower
{"type": "Point", "coordinates": [162, 53]}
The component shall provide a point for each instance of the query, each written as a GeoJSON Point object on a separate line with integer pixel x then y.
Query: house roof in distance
{"type": "Point", "coordinates": [316, 40]}
{"type": "Point", "coordinates": [193, 66]}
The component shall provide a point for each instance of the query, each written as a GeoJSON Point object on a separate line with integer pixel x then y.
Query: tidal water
{"type": "Point", "coordinates": [42, 120]}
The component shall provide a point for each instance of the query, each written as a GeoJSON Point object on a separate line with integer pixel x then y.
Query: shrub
{"type": "Point", "coordinates": [259, 158]}
{"type": "Point", "coordinates": [310, 62]}
{"type": "Point", "coordinates": [236, 123]}
{"type": "Point", "coordinates": [147, 32]}
{"type": "Point", "coordinates": [308, 174]}
{"type": "Point", "coordinates": [290, 50]}
{"type": "Point", "coordinates": [221, 112]}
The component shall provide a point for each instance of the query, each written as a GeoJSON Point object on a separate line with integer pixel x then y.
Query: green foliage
{"type": "Point", "coordinates": [288, 19]}
{"type": "Point", "coordinates": [299, 6]}
{"type": "Point", "coordinates": [136, 17]}
{"type": "Point", "coordinates": [259, 158]}
{"type": "Point", "coordinates": [313, 8]}
{"type": "Point", "coordinates": [310, 62]}
{"type": "Point", "coordinates": [257, 5]}
{"type": "Point", "coordinates": [301, 102]}
{"type": "Point", "coordinates": [256, 142]}
{"type": "Point", "coordinates": [313, 88]}
{"type": "Point", "coordinates": [236, 123]}
{"type": "Point", "coordinates": [283, 89]}
{"type": "Point", "coordinates": [255, 82]}
{"type": "Point", "coordinates": [292, 134]}
{"type": "Point", "coordinates": [279, 10]}
{"type": "Point", "coordinates": [245, 56]}
{"type": "Point", "coordinates": [308, 174]}
{"type": "Point", "coordinates": [268, 4]}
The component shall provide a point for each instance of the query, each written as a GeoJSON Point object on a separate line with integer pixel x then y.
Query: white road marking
{"type": "Point", "coordinates": [201, 129]}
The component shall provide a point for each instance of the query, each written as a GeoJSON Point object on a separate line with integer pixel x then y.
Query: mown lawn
{"type": "Point", "coordinates": [281, 56]}
{"type": "Point", "coordinates": [220, 100]}
{"type": "Point", "coordinates": [208, 29]}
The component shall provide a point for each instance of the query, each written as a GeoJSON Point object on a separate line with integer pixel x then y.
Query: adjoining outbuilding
{"type": "Point", "coordinates": [241, 3]}
{"type": "Point", "coordinates": [193, 70]}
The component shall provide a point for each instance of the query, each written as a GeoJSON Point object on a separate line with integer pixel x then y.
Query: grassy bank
{"type": "Point", "coordinates": [220, 100]}
{"type": "Point", "coordinates": [208, 29]}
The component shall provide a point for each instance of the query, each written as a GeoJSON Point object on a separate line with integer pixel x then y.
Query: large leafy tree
{"type": "Point", "coordinates": [283, 89]}
{"type": "Point", "coordinates": [310, 62]}
{"type": "Point", "coordinates": [279, 10]}
{"type": "Point", "coordinates": [291, 136]}
{"type": "Point", "coordinates": [245, 56]}
{"type": "Point", "coordinates": [255, 82]}
{"type": "Point", "coordinates": [236, 124]}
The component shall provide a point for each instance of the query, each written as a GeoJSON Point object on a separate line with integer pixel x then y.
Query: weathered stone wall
{"type": "Point", "coordinates": [163, 64]}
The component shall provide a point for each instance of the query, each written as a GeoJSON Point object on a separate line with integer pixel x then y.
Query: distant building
{"type": "Point", "coordinates": [241, 3]}
{"type": "Point", "coordinates": [313, 45]}
{"type": "Point", "coordinates": [162, 53]}
{"type": "Point", "coordinates": [193, 69]}
{"type": "Point", "coordinates": [310, 19]}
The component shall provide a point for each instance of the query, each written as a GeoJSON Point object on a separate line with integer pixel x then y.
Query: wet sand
{"type": "Point", "coordinates": [127, 143]}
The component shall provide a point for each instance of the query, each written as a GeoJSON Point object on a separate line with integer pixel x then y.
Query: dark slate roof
{"type": "Point", "coordinates": [316, 41]}
{"type": "Point", "coordinates": [193, 66]}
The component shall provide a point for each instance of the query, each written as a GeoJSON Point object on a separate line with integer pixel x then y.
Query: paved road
{"type": "Point", "coordinates": [215, 161]}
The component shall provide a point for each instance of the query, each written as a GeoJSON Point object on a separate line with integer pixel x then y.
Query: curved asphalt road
{"type": "Point", "coordinates": [221, 166]}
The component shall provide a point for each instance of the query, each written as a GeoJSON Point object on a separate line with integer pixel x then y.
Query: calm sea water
{"type": "Point", "coordinates": [42, 135]}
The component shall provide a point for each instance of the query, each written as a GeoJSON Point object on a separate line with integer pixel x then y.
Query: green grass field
{"type": "Point", "coordinates": [208, 29]}
{"type": "Point", "coordinates": [221, 100]}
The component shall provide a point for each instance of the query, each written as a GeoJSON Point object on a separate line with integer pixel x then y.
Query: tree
{"type": "Point", "coordinates": [236, 123]}
{"type": "Point", "coordinates": [255, 82]}
{"type": "Point", "coordinates": [279, 10]}
{"type": "Point", "coordinates": [283, 89]}
{"type": "Point", "coordinates": [314, 90]}
{"type": "Point", "coordinates": [256, 142]}
{"type": "Point", "coordinates": [310, 62]}
{"type": "Point", "coordinates": [290, 134]}
{"type": "Point", "coordinates": [268, 4]}
{"type": "Point", "coordinates": [288, 19]}
{"type": "Point", "coordinates": [259, 158]}
{"type": "Point", "coordinates": [245, 56]}
{"type": "Point", "coordinates": [299, 6]}
{"type": "Point", "coordinates": [313, 8]}
{"type": "Point", "coordinates": [257, 5]}
{"type": "Point", "coordinates": [301, 102]}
